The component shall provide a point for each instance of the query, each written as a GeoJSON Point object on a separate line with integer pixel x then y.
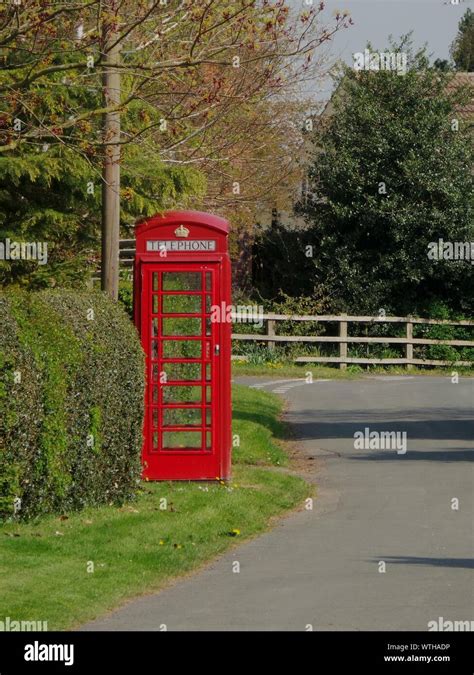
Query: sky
{"type": "Point", "coordinates": [434, 22]}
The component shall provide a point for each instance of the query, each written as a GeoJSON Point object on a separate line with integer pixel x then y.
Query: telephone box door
{"type": "Point", "coordinates": [182, 343]}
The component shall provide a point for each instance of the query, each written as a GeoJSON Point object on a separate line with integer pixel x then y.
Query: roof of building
{"type": "Point", "coordinates": [460, 80]}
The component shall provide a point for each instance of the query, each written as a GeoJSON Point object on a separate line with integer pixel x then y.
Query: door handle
{"type": "Point", "coordinates": [217, 350]}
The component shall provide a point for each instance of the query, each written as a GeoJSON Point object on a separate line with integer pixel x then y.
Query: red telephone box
{"type": "Point", "coordinates": [181, 290]}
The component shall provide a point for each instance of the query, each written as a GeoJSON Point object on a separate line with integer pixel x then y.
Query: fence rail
{"type": "Point", "coordinates": [343, 339]}
{"type": "Point", "coordinates": [127, 253]}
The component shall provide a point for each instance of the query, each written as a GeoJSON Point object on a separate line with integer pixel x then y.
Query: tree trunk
{"type": "Point", "coordinates": [111, 165]}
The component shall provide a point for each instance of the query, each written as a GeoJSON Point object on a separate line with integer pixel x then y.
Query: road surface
{"type": "Point", "coordinates": [384, 548]}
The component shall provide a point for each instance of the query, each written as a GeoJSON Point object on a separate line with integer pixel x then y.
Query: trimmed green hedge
{"type": "Point", "coordinates": [71, 402]}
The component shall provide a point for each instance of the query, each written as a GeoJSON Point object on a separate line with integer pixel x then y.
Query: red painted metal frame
{"type": "Point", "coordinates": [184, 463]}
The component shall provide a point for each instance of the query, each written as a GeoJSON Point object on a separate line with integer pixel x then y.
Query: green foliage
{"type": "Point", "coordinates": [280, 263]}
{"type": "Point", "coordinates": [299, 306]}
{"type": "Point", "coordinates": [150, 186]}
{"type": "Point", "coordinates": [51, 191]}
{"type": "Point", "coordinates": [442, 64]}
{"type": "Point", "coordinates": [462, 49]}
{"type": "Point", "coordinates": [258, 353]}
{"type": "Point", "coordinates": [44, 198]}
{"type": "Point", "coordinates": [391, 175]}
{"type": "Point", "coordinates": [71, 398]}
{"type": "Point", "coordinates": [55, 197]}
{"type": "Point", "coordinates": [439, 310]}
{"type": "Point", "coordinates": [125, 295]}
{"type": "Point", "coordinates": [56, 353]}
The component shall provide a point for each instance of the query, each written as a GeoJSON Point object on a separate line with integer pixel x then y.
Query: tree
{"type": "Point", "coordinates": [392, 173]}
{"type": "Point", "coordinates": [442, 64]}
{"type": "Point", "coordinates": [54, 196]}
{"type": "Point", "coordinates": [184, 67]}
{"type": "Point", "coordinates": [462, 49]}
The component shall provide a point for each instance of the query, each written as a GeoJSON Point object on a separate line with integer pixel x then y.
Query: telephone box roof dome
{"type": "Point", "coordinates": [196, 217]}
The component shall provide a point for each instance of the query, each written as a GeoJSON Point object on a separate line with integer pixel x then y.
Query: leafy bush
{"type": "Point", "coordinates": [71, 402]}
{"type": "Point", "coordinates": [258, 353]}
{"type": "Point", "coordinates": [125, 295]}
{"type": "Point", "coordinates": [439, 310]}
{"type": "Point", "coordinates": [299, 306]}
{"type": "Point", "coordinates": [388, 177]}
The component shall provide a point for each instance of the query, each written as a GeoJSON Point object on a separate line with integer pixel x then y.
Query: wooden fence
{"type": "Point", "coordinates": [343, 339]}
{"type": "Point", "coordinates": [127, 253]}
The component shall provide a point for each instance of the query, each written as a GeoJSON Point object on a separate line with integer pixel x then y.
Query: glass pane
{"type": "Point", "coordinates": [182, 326]}
{"type": "Point", "coordinates": [155, 440]}
{"type": "Point", "coordinates": [154, 349]}
{"type": "Point", "coordinates": [155, 395]}
{"type": "Point", "coordinates": [182, 439]}
{"type": "Point", "coordinates": [208, 394]}
{"type": "Point", "coordinates": [154, 327]}
{"type": "Point", "coordinates": [208, 439]}
{"type": "Point", "coordinates": [181, 281]}
{"type": "Point", "coordinates": [208, 281]}
{"type": "Point", "coordinates": [208, 417]}
{"type": "Point", "coordinates": [208, 304]}
{"type": "Point", "coordinates": [155, 281]}
{"type": "Point", "coordinates": [182, 394]}
{"type": "Point", "coordinates": [182, 416]}
{"type": "Point", "coordinates": [155, 417]}
{"type": "Point", "coordinates": [155, 373]}
{"type": "Point", "coordinates": [154, 307]}
{"type": "Point", "coordinates": [185, 304]}
{"type": "Point", "coordinates": [182, 371]}
{"type": "Point", "coordinates": [208, 326]}
{"type": "Point", "coordinates": [182, 349]}
{"type": "Point", "coordinates": [208, 372]}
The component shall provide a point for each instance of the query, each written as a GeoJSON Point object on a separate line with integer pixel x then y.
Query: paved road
{"type": "Point", "coordinates": [321, 567]}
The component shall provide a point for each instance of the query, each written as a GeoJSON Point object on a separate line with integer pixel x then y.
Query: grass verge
{"type": "Point", "coordinates": [70, 569]}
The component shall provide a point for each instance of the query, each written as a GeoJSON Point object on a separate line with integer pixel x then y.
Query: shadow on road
{"type": "Point", "coordinates": [465, 563]}
{"type": "Point", "coordinates": [436, 423]}
{"type": "Point", "coordinates": [441, 455]}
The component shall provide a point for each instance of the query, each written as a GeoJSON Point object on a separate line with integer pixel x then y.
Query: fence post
{"type": "Point", "coordinates": [270, 332]}
{"type": "Point", "coordinates": [343, 345]}
{"type": "Point", "coordinates": [409, 345]}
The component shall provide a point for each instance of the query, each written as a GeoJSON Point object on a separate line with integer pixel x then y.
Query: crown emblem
{"type": "Point", "coordinates": [181, 231]}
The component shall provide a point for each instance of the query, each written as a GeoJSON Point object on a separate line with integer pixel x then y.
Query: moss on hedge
{"type": "Point", "coordinates": [71, 402]}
